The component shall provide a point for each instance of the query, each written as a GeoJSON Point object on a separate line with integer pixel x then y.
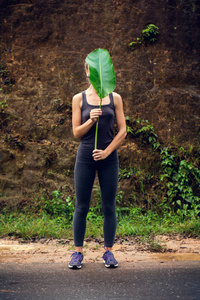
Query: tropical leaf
{"type": "Point", "coordinates": [102, 74]}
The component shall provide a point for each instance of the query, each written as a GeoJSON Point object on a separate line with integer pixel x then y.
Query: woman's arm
{"type": "Point", "coordinates": [121, 123]}
{"type": "Point", "coordinates": [80, 129]}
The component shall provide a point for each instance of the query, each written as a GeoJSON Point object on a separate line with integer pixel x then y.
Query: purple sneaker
{"type": "Point", "coordinates": [109, 260]}
{"type": "Point", "coordinates": [76, 260]}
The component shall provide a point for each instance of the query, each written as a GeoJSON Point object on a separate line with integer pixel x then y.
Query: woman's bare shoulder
{"type": "Point", "coordinates": [77, 100]}
{"type": "Point", "coordinates": [77, 97]}
{"type": "Point", "coordinates": [117, 98]}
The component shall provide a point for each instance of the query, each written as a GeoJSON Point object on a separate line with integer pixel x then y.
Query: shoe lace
{"type": "Point", "coordinates": [109, 256]}
{"type": "Point", "coordinates": [76, 257]}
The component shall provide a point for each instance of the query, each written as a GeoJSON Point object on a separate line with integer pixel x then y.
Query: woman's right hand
{"type": "Point", "coordinates": [95, 113]}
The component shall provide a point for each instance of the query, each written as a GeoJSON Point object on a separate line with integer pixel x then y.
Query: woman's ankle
{"type": "Point", "coordinates": [108, 248]}
{"type": "Point", "coordinates": [79, 249]}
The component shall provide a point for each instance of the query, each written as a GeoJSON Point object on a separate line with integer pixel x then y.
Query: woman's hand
{"type": "Point", "coordinates": [99, 154]}
{"type": "Point", "coordinates": [95, 113]}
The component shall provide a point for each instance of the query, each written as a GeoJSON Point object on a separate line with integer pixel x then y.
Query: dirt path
{"type": "Point", "coordinates": [59, 251]}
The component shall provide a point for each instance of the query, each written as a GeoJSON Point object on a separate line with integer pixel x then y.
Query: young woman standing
{"type": "Point", "coordinates": [103, 160]}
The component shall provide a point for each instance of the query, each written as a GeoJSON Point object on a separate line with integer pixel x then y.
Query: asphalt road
{"type": "Point", "coordinates": [145, 281]}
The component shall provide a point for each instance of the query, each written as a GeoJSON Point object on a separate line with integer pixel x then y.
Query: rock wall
{"type": "Point", "coordinates": [43, 44]}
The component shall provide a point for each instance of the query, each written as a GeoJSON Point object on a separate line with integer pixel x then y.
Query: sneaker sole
{"type": "Point", "coordinates": [75, 267]}
{"type": "Point", "coordinates": [110, 266]}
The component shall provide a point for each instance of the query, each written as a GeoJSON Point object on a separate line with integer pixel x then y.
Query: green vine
{"type": "Point", "coordinates": [179, 178]}
{"type": "Point", "coordinates": [145, 132]}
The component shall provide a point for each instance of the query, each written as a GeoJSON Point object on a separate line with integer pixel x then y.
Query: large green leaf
{"type": "Point", "coordinates": [102, 74]}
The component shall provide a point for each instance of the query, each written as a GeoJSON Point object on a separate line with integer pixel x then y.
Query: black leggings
{"type": "Point", "coordinates": [84, 179]}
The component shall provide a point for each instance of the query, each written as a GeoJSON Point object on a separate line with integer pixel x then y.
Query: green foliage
{"type": "Point", "coordinates": [181, 179]}
{"type": "Point", "coordinates": [31, 226]}
{"type": "Point", "coordinates": [128, 128]}
{"type": "Point", "coordinates": [57, 206]}
{"type": "Point", "coordinates": [4, 116]}
{"type": "Point", "coordinates": [155, 224]}
{"type": "Point", "coordinates": [126, 173]}
{"type": "Point", "coordinates": [135, 44]}
{"type": "Point", "coordinates": [120, 209]}
{"type": "Point", "coordinates": [3, 105]}
{"type": "Point", "coordinates": [144, 131]}
{"type": "Point", "coordinates": [53, 218]}
{"type": "Point", "coordinates": [147, 135]}
{"type": "Point", "coordinates": [4, 72]}
{"type": "Point", "coordinates": [95, 212]}
{"type": "Point", "coordinates": [148, 35]}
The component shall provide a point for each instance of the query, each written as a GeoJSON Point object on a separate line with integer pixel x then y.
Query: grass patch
{"type": "Point", "coordinates": [34, 226]}
{"type": "Point", "coordinates": [51, 217]}
{"type": "Point", "coordinates": [135, 223]}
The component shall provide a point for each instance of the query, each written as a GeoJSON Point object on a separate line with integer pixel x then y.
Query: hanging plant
{"type": "Point", "coordinates": [102, 76]}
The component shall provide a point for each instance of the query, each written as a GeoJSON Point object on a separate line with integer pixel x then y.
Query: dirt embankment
{"type": "Point", "coordinates": [43, 45]}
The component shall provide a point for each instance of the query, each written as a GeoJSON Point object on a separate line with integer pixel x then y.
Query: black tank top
{"type": "Point", "coordinates": [106, 123]}
{"type": "Point", "coordinates": [105, 130]}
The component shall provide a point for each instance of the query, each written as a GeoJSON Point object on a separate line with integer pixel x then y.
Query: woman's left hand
{"type": "Point", "coordinates": [99, 154]}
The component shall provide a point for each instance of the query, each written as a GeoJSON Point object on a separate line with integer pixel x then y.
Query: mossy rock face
{"type": "Point", "coordinates": [43, 46]}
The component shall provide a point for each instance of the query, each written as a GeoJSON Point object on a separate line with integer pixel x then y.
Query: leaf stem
{"type": "Point", "coordinates": [96, 131]}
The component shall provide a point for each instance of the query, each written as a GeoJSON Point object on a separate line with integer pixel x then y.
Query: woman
{"type": "Point", "coordinates": [104, 160]}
